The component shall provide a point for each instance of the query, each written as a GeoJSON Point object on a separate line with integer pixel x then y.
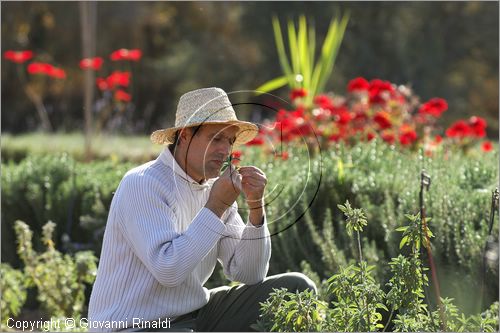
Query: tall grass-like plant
{"type": "Point", "coordinates": [300, 67]}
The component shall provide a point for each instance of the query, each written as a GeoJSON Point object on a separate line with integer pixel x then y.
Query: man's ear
{"type": "Point", "coordinates": [184, 136]}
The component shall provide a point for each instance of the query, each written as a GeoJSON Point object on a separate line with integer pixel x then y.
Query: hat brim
{"type": "Point", "coordinates": [247, 132]}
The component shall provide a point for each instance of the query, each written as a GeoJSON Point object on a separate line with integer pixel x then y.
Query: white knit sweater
{"type": "Point", "coordinates": [161, 246]}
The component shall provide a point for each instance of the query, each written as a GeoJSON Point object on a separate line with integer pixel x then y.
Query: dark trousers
{"type": "Point", "coordinates": [237, 308]}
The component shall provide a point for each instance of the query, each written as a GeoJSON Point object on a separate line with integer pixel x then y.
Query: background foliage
{"type": "Point", "coordinates": [446, 49]}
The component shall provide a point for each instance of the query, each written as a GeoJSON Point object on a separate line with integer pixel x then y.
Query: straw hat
{"type": "Point", "coordinates": [205, 106]}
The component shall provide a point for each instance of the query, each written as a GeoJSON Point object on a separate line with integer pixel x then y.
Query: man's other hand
{"type": "Point", "coordinates": [224, 191]}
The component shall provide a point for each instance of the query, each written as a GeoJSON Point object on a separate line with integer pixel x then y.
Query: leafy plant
{"type": "Point", "coordinates": [415, 233]}
{"type": "Point", "coordinates": [13, 286]}
{"type": "Point", "coordinates": [59, 278]}
{"type": "Point", "coordinates": [300, 68]}
{"type": "Point", "coordinates": [358, 300]}
{"type": "Point", "coordinates": [289, 312]}
{"type": "Point", "coordinates": [355, 221]}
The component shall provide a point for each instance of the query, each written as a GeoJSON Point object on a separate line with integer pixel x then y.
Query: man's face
{"type": "Point", "coordinates": [207, 149]}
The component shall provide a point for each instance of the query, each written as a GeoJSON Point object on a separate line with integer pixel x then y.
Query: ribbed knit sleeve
{"type": "Point", "coordinates": [244, 250]}
{"type": "Point", "coordinates": [149, 225]}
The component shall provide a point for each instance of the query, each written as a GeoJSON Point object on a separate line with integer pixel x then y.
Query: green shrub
{"type": "Point", "coordinates": [13, 286]}
{"type": "Point", "coordinates": [76, 196]}
{"type": "Point", "coordinates": [59, 278]}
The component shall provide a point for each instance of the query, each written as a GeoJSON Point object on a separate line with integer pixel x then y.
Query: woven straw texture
{"type": "Point", "coordinates": [205, 106]}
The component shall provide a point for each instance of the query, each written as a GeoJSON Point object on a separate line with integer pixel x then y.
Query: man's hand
{"type": "Point", "coordinates": [224, 191]}
{"type": "Point", "coordinates": [253, 184]}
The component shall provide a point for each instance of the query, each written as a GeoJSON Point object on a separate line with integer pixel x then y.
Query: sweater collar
{"type": "Point", "coordinates": [168, 159]}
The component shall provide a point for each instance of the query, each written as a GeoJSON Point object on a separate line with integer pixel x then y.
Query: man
{"type": "Point", "coordinates": [170, 221]}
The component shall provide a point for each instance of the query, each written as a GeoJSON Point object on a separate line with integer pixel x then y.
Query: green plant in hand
{"type": "Point", "coordinates": [229, 161]}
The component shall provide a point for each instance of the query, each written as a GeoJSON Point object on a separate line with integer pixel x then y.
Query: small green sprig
{"type": "Point", "coordinates": [412, 233]}
{"type": "Point", "coordinates": [229, 160]}
{"type": "Point", "coordinates": [355, 218]}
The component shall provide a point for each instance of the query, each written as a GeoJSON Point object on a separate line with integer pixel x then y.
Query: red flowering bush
{"type": "Point", "coordinates": [115, 98]}
{"type": "Point", "coordinates": [117, 81]}
{"type": "Point", "coordinates": [371, 109]}
{"type": "Point", "coordinates": [18, 57]}
{"type": "Point", "coordinates": [39, 82]}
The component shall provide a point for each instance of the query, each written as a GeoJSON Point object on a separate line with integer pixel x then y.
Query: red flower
{"type": "Point", "coordinates": [298, 93]}
{"type": "Point", "coordinates": [487, 146]}
{"type": "Point", "coordinates": [46, 69]}
{"type": "Point", "coordinates": [434, 107]}
{"type": "Point", "coordinates": [324, 102]}
{"type": "Point", "coordinates": [334, 138]}
{"type": "Point", "coordinates": [57, 73]}
{"type": "Point", "coordinates": [438, 139]}
{"type": "Point", "coordinates": [285, 155]}
{"type": "Point", "coordinates": [383, 119]}
{"type": "Point", "coordinates": [458, 129]}
{"type": "Point", "coordinates": [380, 91]}
{"type": "Point", "coordinates": [118, 79]}
{"type": "Point", "coordinates": [235, 157]}
{"type": "Point", "coordinates": [370, 136]}
{"type": "Point", "coordinates": [388, 137]}
{"type": "Point", "coordinates": [257, 141]}
{"type": "Point", "coordinates": [343, 116]}
{"type": "Point", "coordinates": [121, 95]}
{"type": "Point", "coordinates": [91, 63]}
{"type": "Point", "coordinates": [18, 57]}
{"type": "Point", "coordinates": [124, 54]}
{"type": "Point", "coordinates": [39, 68]}
{"type": "Point", "coordinates": [407, 136]}
{"type": "Point", "coordinates": [358, 83]}
{"type": "Point", "coordinates": [102, 83]}
{"type": "Point", "coordinates": [477, 126]}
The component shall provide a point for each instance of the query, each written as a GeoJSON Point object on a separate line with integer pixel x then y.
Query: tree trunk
{"type": "Point", "coordinates": [88, 28]}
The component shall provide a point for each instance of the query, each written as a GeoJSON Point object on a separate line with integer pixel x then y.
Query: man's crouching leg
{"type": "Point", "coordinates": [237, 308]}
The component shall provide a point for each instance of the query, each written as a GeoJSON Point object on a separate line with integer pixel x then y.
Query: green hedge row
{"type": "Point", "coordinates": [76, 196]}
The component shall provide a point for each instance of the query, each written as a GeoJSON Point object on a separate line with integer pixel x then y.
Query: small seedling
{"type": "Point", "coordinates": [228, 162]}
